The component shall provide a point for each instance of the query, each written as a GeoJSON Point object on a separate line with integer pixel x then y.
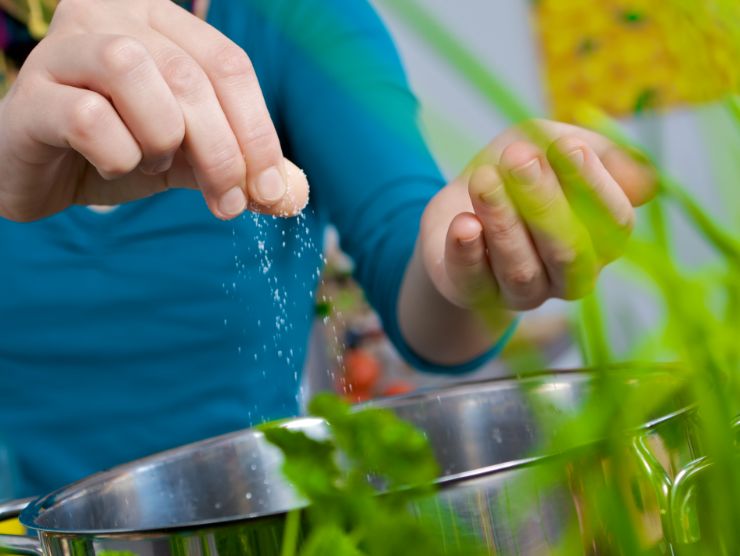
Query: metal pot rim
{"type": "Point", "coordinates": [30, 515]}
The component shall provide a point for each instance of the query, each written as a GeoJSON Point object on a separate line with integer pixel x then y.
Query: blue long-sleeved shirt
{"type": "Point", "coordinates": [155, 325]}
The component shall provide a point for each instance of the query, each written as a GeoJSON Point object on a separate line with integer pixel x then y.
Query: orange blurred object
{"type": "Point", "coordinates": [361, 370]}
{"type": "Point", "coordinates": [398, 387]}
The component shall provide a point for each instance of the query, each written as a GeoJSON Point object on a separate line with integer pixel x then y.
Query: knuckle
{"type": "Point", "coordinates": [184, 76]}
{"type": "Point", "coordinates": [123, 55]}
{"type": "Point", "coordinates": [165, 143]}
{"type": "Point", "coordinates": [505, 228]}
{"type": "Point", "coordinates": [523, 280]}
{"type": "Point", "coordinates": [86, 113]}
{"type": "Point", "coordinates": [564, 257]}
{"type": "Point", "coordinates": [262, 140]}
{"type": "Point", "coordinates": [231, 61]}
{"type": "Point", "coordinates": [224, 166]}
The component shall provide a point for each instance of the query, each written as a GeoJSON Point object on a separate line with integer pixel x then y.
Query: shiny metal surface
{"type": "Point", "coordinates": [226, 496]}
{"type": "Point", "coordinates": [228, 478]}
{"type": "Point", "coordinates": [12, 508]}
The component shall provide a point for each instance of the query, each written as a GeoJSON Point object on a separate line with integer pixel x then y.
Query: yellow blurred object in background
{"type": "Point", "coordinates": [11, 527]}
{"type": "Point", "coordinates": [625, 56]}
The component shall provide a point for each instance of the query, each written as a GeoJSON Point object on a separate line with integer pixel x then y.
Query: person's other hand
{"type": "Point", "coordinates": [123, 100]}
{"type": "Point", "coordinates": [524, 224]}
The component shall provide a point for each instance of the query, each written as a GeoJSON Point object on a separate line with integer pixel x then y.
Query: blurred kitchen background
{"type": "Point", "coordinates": [652, 64]}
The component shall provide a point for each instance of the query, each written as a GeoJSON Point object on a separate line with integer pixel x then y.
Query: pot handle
{"type": "Point", "coordinates": [675, 496]}
{"type": "Point", "coordinates": [15, 544]}
{"type": "Point", "coordinates": [684, 514]}
{"type": "Point", "coordinates": [658, 478]}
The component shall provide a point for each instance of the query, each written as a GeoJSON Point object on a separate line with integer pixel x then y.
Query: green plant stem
{"type": "Point", "coordinates": [290, 534]}
{"type": "Point", "coordinates": [593, 332]}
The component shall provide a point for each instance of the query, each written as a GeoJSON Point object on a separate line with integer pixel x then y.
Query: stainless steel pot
{"type": "Point", "coordinates": [226, 496]}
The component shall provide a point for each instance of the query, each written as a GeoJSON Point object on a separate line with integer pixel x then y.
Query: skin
{"type": "Point", "coordinates": [123, 100]}
{"type": "Point", "coordinates": [526, 222]}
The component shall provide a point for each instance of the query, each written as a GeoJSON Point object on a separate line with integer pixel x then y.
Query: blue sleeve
{"type": "Point", "coordinates": [351, 123]}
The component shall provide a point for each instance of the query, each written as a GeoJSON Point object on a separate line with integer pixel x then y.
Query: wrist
{"type": "Point", "coordinates": [437, 329]}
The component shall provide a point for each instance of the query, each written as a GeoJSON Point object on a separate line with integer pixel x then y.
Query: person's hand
{"type": "Point", "coordinates": [123, 100]}
{"type": "Point", "coordinates": [524, 224]}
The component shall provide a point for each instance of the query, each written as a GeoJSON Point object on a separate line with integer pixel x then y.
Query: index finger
{"type": "Point", "coordinates": [630, 168]}
{"type": "Point", "coordinates": [270, 184]}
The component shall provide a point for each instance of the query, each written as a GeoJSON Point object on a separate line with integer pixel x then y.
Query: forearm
{"type": "Point", "coordinates": [440, 331]}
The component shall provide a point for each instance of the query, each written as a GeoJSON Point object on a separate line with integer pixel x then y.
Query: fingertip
{"type": "Point", "coordinates": [466, 229]}
{"type": "Point", "coordinates": [269, 187]}
{"type": "Point", "coordinates": [288, 198]}
{"type": "Point", "coordinates": [231, 204]}
{"type": "Point", "coordinates": [484, 180]}
{"type": "Point", "coordinates": [296, 195]}
{"type": "Point", "coordinates": [518, 154]}
{"type": "Point", "coordinates": [568, 156]}
{"type": "Point", "coordinates": [638, 178]}
{"type": "Point", "coordinates": [465, 260]}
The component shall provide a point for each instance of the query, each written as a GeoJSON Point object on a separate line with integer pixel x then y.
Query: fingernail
{"type": "Point", "coordinates": [270, 186]}
{"type": "Point", "coordinates": [568, 164]}
{"type": "Point", "coordinates": [528, 173]}
{"type": "Point", "coordinates": [576, 157]}
{"type": "Point", "coordinates": [468, 241]}
{"type": "Point", "coordinates": [157, 166]}
{"type": "Point", "coordinates": [492, 197]}
{"type": "Point", "coordinates": [162, 165]}
{"type": "Point", "coordinates": [233, 202]}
